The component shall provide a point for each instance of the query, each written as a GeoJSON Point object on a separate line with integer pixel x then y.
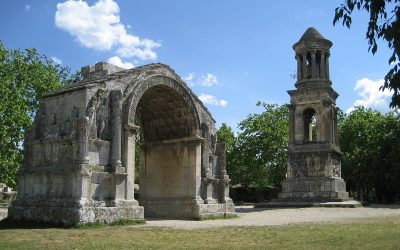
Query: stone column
{"type": "Point", "coordinates": [327, 66]}
{"type": "Point", "coordinates": [128, 158]}
{"type": "Point", "coordinates": [299, 126]}
{"type": "Point", "coordinates": [322, 66]}
{"type": "Point", "coordinates": [115, 125]}
{"type": "Point", "coordinates": [221, 153]}
{"type": "Point", "coordinates": [335, 126]}
{"type": "Point", "coordinates": [120, 174]}
{"type": "Point", "coordinates": [313, 65]}
{"type": "Point", "coordinates": [298, 67]}
{"type": "Point", "coordinates": [223, 189]}
{"type": "Point", "coordinates": [304, 71]}
{"type": "Point", "coordinates": [205, 148]}
{"type": "Point", "coordinates": [82, 157]}
{"type": "Point", "coordinates": [291, 123]}
{"type": "Point", "coordinates": [82, 140]}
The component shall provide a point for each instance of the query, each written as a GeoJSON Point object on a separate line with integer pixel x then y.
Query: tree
{"type": "Point", "coordinates": [258, 157]}
{"type": "Point", "coordinates": [370, 164]}
{"type": "Point", "coordinates": [384, 23]}
{"type": "Point", "coordinates": [226, 135]}
{"type": "Point", "coordinates": [25, 77]}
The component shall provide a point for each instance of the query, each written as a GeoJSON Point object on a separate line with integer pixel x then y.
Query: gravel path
{"type": "Point", "coordinates": [249, 216]}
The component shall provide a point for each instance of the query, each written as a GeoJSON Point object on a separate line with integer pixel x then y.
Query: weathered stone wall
{"type": "Point", "coordinates": [80, 150]}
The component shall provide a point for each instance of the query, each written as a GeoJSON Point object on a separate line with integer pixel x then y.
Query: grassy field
{"type": "Point", "coordinates": [371, 234]}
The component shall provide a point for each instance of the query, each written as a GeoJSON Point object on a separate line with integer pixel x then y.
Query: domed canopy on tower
{"type": "Point", "coordinates": [311, 33]}
{"type": "Point", "coordinates": [312, 55]}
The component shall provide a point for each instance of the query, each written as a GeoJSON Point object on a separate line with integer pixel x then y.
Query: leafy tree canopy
{"type": "Point", "coordinates": [370, 164]}
{"type": "Point", "coordinates": [25, 77]}
{"type": "Point", "coordinates": [384, 23]}
{"type": "Point", "coordinates": [225, 134]}
{"type": "Point", "coordinates": [257, 158]}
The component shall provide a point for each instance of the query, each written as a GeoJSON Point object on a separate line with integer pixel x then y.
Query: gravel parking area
{"type": "Point", "coordinates": [249, 217]}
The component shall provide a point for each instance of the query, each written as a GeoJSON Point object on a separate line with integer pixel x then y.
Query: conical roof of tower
{"type": "Point", "coordinates": [311, 33]}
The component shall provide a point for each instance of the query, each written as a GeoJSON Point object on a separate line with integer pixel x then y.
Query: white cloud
{"type": "Point", "coordinates": [189, 77]}
{"type": "Point", "coordinates": [27, 7]}
{"type": "Point", "coordinates": [56, 60]}
{"type": "Point", "coordinates": [208, 80]}
{"type": "Point", "coordinates": [371, 96]}
{"type": "Point", "coordinates": [99, 27]}
{"type": "Point", "coordinates": [118, 62]}
{"type": "Point", "coordinates": [212, 100]}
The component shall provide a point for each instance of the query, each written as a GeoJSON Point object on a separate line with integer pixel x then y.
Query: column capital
{"type": "Point", "coordinates": [131, 127]}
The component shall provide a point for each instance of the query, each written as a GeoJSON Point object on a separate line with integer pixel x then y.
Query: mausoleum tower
{"type": "Point", "coordinates": [314, 166]}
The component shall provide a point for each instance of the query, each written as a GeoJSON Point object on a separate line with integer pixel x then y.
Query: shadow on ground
{"type": "Point", "coordinates": [21, 224]}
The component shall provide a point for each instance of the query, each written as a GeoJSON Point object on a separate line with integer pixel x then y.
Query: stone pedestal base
{"type": "Point", "coordinates": [186, 209]}
{"type": "Point", "coordinates": [321, 189]}
{"type": "Point", "coordinates": [74, 215]}
{"type": "Point", "coordinates": [312, 192]}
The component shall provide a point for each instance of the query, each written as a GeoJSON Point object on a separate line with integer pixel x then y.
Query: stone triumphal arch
{"type": "Point", "coordinates": [80, 151]}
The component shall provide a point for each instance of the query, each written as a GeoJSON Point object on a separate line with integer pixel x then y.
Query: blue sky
{"type": "Point", "coordinates": [232, 53]}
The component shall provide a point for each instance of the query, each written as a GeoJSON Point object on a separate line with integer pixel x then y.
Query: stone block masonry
{"type": "Point", "coordinates": [80, 151]}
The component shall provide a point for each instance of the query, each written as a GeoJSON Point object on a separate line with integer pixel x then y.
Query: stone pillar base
{"type": "Point", "coordinates": [216, 210]}
{"type": "Point", "coordinates": [186, 209]}
{"type": "Point", "coordinates": [314, 189]}
{"type": "Point", "coordinates": [69, 216]}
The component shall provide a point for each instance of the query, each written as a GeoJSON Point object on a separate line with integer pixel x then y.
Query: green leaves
{"type": "Point", "coordinates": [384, 23]}
{"type": "Point", "coordinates": [370, 165]}
{"type": "Point", "coordinates": [25, 77]}
{"type": "Point", "coordinates": [256, 157]}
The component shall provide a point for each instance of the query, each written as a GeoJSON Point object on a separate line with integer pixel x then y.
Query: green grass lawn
{"type": "Point", "coordinates": [370, 234]}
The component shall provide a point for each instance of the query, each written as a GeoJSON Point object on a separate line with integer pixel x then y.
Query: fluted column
{"type": "Point", "coordinates": [327, 66]}
{"type": "Point", "coordinates": [291, 124]}
{"type": "Point", "coordinates": [128, 157]}
{"type": "Point", "coordinates": [313, 65]}
{"type": "Point", "coordinates": [322, 65]}
{"type": "Point", "coordinates": [115, 125]}
{"type": "Point", "coordinates": [82, 140]}
{"type": "Point", "coordinates": [298, 67]}
{"type": "Point", "coordinates": [304, 71]}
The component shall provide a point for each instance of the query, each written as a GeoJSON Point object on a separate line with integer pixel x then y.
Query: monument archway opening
{"type": "Point", "coordinates": [310, 120]}
{"type": "Point", "coordinates": [167, 149]}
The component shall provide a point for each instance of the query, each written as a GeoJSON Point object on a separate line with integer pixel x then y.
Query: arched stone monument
{"type": "Point", "coordinates": [80, 151]}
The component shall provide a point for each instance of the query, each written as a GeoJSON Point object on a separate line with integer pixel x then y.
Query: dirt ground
{"type": "Point", "coordinates": [249, 217]}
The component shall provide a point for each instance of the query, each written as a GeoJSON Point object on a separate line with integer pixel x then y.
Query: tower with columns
{"type": "Point", "coordinates": [314, 165]}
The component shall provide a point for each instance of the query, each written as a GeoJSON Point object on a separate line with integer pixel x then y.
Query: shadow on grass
{"type": "Point", "coordinates": [387, 206]}
{"type": "Point", "coordinates": [250, 209]}
{"type": "Point", "coordinates": [25, 224]}
{"type": "Point", "coordinates": [204, 218]}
